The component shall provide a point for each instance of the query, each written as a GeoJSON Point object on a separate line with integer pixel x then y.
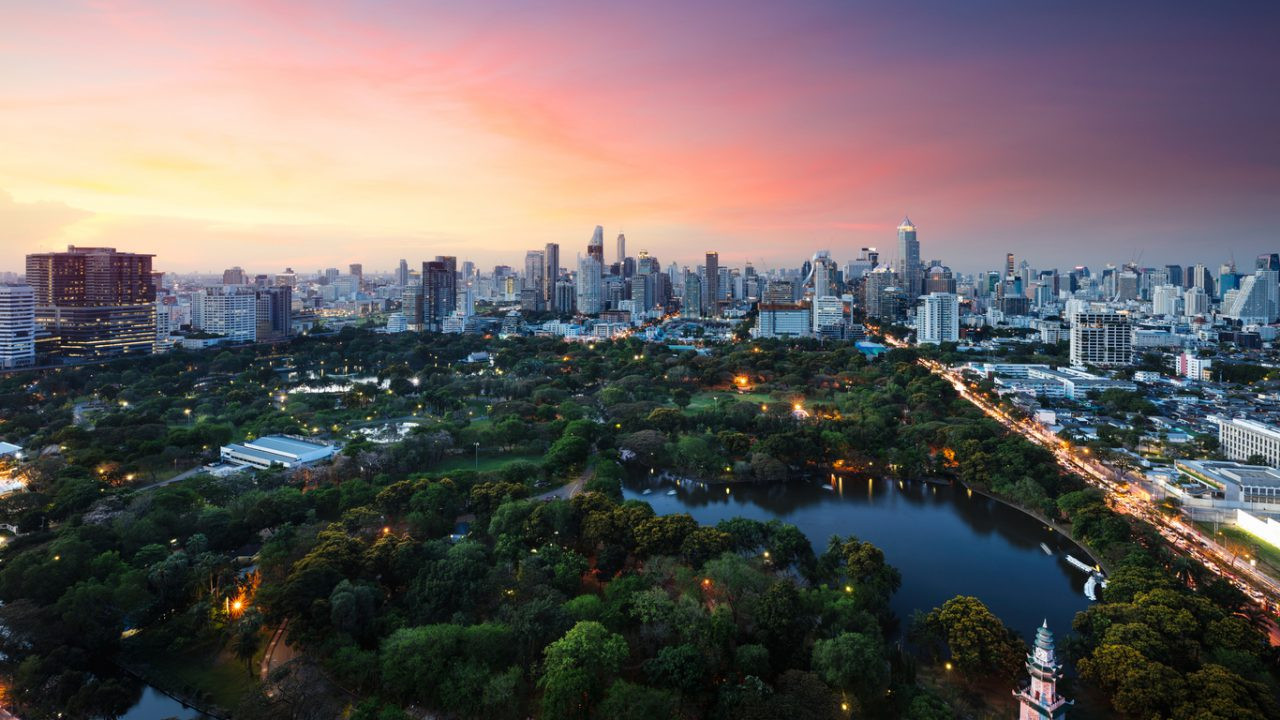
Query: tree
{"type": "Point", "coordinates": [852, 662]}
{"type": "Point", "coordinates": [980, 645]}
{"type": "Point", "coordinates": [577, 667]}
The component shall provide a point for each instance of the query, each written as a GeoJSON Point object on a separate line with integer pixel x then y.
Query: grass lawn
{"type": "Point", "coordinates": [205, 671]}
{"type": "Point", "coordinates": [707, 399]}
{"type": "Point", "coordinates": [488, 463]}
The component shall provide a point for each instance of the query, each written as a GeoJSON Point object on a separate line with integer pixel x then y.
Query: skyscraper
{"type": "Point", "coordinates": [402, 273]}
{"type": "Point", "coordinates": [275, 312]}
{"type": "Point", "coordinates": [1103, 339]}
{"type": "Point", "coordinates": [590, 286]}
{"type": "Point", "coordinates": [622, 247]}
{"type": "Point", "coordinates": [229, 310]}
{"type": "Point", "coordinates": [356, 270]}
{"type": "Point", "coordinates": [98, 302]}
{"type": "Point", "coordinates": [595, 248]}
{"type": "Point", "coordinates": [909, 258]}
{"type": "Point", "coordinates": [551, 274]}
{"type": "Point", "coordinates": [711, 289]}
{"type": "Point", "coordinates": [449, 297]}
{"type": "Point", "coordinates": [533, 295]}
{"type": "Point", "coordinates": [436, 284]}
{"type": "Point", "coordinates": [17, 326]}
{"type": "Point", "coordinates": [233, 276]}
{"type": "Point", "coordinates": [938, 319]}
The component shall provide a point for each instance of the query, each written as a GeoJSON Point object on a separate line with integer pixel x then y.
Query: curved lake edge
{"type": "Point", "coordinates": [1057, 527]}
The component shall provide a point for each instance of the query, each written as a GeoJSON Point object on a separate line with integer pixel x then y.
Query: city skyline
{"type": "Point", "coordinates": [293, 133]}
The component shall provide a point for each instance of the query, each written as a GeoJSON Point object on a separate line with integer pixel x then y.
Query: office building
{"type": "Point", "coordinates": [1256, 301]}
{"type": "Point", "coordinates": [1195, 301]}
{"type": "Point", "coordinates": [909, 268]}
{"type": "Point", "coordinates": [829, 317]}
{"type": "Point", "coordinates": [595, 248]}
{"type": "Point", "coordinates": [274, 312]}
{"type": "Point", "coordinates": [402, 273]}
{"type": "Point", "coordinates": [411, 306]}
{"type": "Point", "coordinates": [782, 321]}
{"type": "Point", "coordinates": [622, 248]}
{"type": "Point", "coordinates": [234, 276]}
{"type": "Point", "coordinates": [533, 294]}
{"type": "Point", "coordinates": [97, 302]}
{"type": "Point", "coordinates": [873, 288]}
{"type": "Point", "coordinates": [551, 274]}
{"type": "Point", "coordinates": [939, 279]}
{"type": "Point", "coordinates": [691, 305]}
{"type": "Point", "coordinates": [227, 310]}
{"type": "Point", "coordinates": [1101, 338]}
{"type": "Point", "coordinates": [711, 288]}
{"type": "Point", "coordinates": [566, 297]}
{"type": "Point", "coordinates": [590, 286]}
{"type": "Point", "coordinates": [17, 326]}
{"type": "Point", "coordinates": [356, 270]}
{"type": "Point", "coordinates": [938, 319]}
{"type": "Point", "coordinates": [1246, 440]}
{"type": "Point", "coordinates": [437, 282]}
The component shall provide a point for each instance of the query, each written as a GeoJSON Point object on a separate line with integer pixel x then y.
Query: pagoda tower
{"type": "Point", "coordinates": [1040, 700]}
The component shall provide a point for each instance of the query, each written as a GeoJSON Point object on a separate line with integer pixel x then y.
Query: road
{"type": "Point", "coordinates": [565, 492]}
{"type": "Point", "coordinates": [1183, 536]}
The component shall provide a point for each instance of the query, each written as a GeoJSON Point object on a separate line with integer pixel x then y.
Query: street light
{"type": "Point", "coordinates": [477, 457]}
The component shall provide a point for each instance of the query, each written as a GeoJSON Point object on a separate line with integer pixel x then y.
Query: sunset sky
{"type": "Point", "coordinates": [266, 133]}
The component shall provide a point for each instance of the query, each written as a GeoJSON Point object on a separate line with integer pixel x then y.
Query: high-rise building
{"type": "Point", "coordinates": [566, 297]}
{"type": "Point", "coordinates": [909, 269]}
{"type": "Point", "coordinates": [330, 275]}
{"type": "Point", "coordinates": [533, 295]}
{"type": "Point", "coordinates": [1040, 699]}
{"type": "Point", "coordinates": [1195, 301]}
{"type": "Point", "coordinates": [691, 305]}
{"type": "Point", "coordinates": [449, 297]}
{"type": "Point", "coordinates": [590, 286]}
{"type": "Point", "coordinates": [1008, 266]}
{"type": "Point", "coordinates": [595, 248]}
{"type": "Point", "coordinates": [938, 319]}
{"type": "Point", "coordinates": [17, 326]}
{"type": "Point", "coordinates": [1202, 277]}
{"type": "Point", "coordinates": [828, 317]}
{"type": "Point", "coordinates": [1268, 261]}
{"type": "Point", "coordinates": [274, 312]}
{"type": "Point", "coordinates": [411, 306]}
{"type": "Point", "coordinates": [228, 310]}
{"type": "Point", "coordinates": [873, 288]}
{"type": "Point", "coordinates": [356, 270]}
{"type": "Point", "coordinates": [1175, 275]}
{"type": "Point", "coordinates": [233, 276]}
{"type": "Point", "coordinates": [402, 273]}
{"type": "Point", "coordinates": [711, 289]}
{"type": "Point", "coordinates": [1101, 338]}
{"type": "Point", "coordinates": [551, 274]}
{"type": "Point", "coordinates": [939, 280]}
{"type": "Point", "coordinates": [1166, 300]}
{"type": "Point", "coordinates": [96, 301]}
{"type": "Point", "coordinates": [622, 247]}
{"type": "Point", "coordinates": [1256, 301]}
{"type": "Point", "coordinates": [437, 282]}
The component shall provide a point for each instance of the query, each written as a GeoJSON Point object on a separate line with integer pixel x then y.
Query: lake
{"type": "Point", "coordinates": [945, 540]}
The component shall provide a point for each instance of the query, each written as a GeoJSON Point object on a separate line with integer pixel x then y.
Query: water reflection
{"type": "Point", "coordinates": [945, 540]}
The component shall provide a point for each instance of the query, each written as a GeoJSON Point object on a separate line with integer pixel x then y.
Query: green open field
{"type": "Point", "coordinates": [488, 463]}
{"type": "Point", "coordinates": [707, 399]}
{"type": "Point", "coordinates": [208, 672]}
{"type": "Point", "coordinates": [1234, 538]}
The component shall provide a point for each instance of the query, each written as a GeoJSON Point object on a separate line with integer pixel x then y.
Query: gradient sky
{"type": "Point", "coordinates": [266, 133]}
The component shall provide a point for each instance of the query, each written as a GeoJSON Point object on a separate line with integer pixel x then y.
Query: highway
{"type": "Point", "coordinates": [1184, 537]}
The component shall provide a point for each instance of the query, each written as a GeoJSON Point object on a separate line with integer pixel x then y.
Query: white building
{"type": "Point", "coordinates": [1240, 439]}
{"type": "Point", "coordinates": [289, 452]}
{"type": "Point", "coordinates": [1101, 338]}
{"type": "Point", "coordinates": [1166, 300]}
{"type": "Point", "coordinates": [938, 319]}
{"type": "Point", "coordinates": [782, 321]}
{"type": "Point", "coordinates": [1256, 301]}
{"type": "Point", "coordinates": [1192, 366]}
{"type": "Point", "coordinates": [590, 286]}
{"type": "Point", "coordinates": [230, 310]}
{"type": "Point", "coordinates": [828, 314]}
{"type": "Point", "coordinates": [17, 326]}
{"type": "Point", "coordinates": [1195, 301]}
{"type": "Point", "coordinates": [396, 323]}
